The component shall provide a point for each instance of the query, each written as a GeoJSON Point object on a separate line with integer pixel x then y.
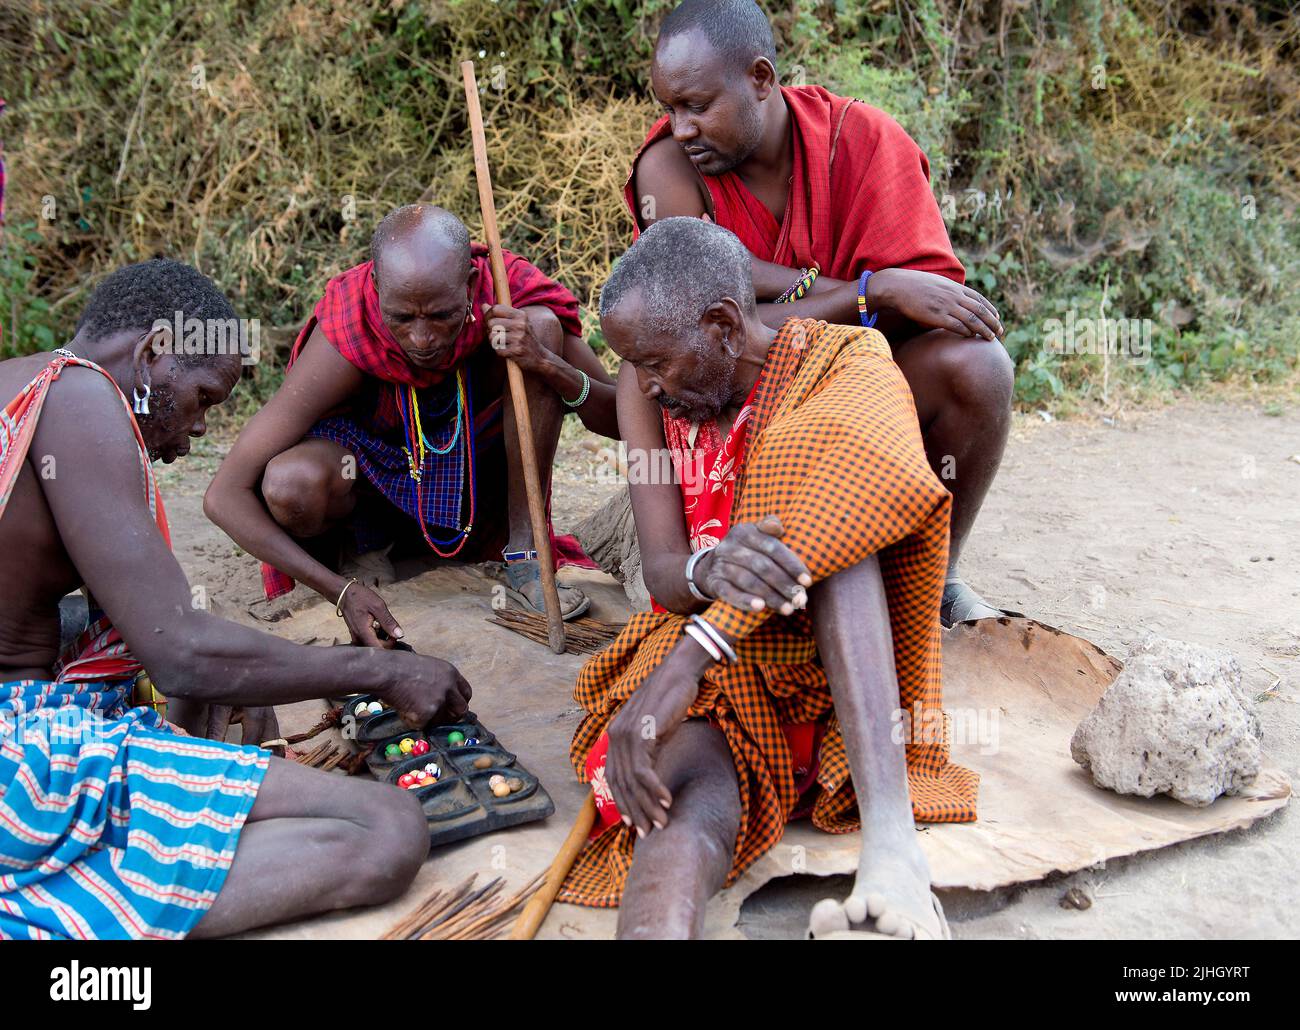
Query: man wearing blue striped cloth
{"type": "Point", "coordinates": [112, 823]}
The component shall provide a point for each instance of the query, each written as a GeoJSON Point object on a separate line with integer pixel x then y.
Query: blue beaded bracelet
{"type": "Point", "coordinates": [868, 321]}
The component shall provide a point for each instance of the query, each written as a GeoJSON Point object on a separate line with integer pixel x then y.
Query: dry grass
{"type": "Point", "coordinates": [262, 141]}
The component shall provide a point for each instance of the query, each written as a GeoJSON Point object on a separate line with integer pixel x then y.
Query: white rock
{"type": "Point", "coordinates": [1176, 721]}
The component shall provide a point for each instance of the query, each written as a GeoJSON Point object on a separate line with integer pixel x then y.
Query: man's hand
{"type": "Point", "coordinates": [362, 610]}
{"type": "Point", "coordinates": [426, 689]}
{"type": "Point", "coordinates": [510, 334]}
{"type": "Point", "coordinates": [934, 301]}
{"type": "Point", "coordinates": [259, 724]}
{"type": "Point", "coordinates": [212, 722]}
{"type": "Point", "coordinates": [751, 568]}
{"type": "Point", "coordinates": [651, 715]}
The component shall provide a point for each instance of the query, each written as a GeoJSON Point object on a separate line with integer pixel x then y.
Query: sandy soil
{"type": "Point", "coordinates": [1180, 521]}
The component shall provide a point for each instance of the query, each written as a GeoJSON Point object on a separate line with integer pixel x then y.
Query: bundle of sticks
{"type": "Point", "coordinates": [464, 913]}
{"type": "Point", "coordinates": [582, 636]}
{"type": "Point", "coordinates": [331, 718]}
{"type": "Point", "coordinates": [329, 754]}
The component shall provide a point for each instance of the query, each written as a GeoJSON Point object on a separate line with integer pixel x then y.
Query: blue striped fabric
{"type": "Point", "coordinates": [111, 825]}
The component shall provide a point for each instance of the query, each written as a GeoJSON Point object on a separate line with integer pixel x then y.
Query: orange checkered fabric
{"type": "Point", "coordinates": [835, 451]}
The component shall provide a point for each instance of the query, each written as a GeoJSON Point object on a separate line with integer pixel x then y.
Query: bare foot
{"type": "Point", "coordinates": [891, 898]}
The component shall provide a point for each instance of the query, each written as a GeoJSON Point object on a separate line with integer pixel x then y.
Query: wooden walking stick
{"type": "Point", "coordinates": [528, 454]}
{"type": "Point", "coordinates": [534, 913]}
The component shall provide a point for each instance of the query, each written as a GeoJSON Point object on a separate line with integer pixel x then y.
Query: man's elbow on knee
{"type": "Point", "coordinates": [546, 328]}
{"type": "Point", "coordinates": [214, 502]}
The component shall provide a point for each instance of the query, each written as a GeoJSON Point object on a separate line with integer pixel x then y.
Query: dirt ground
{"type": "Point", "coordinates": [1181, 521]}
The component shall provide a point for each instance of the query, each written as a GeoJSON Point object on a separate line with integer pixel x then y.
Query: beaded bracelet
{"type": "Point", "coordinates": [586, 389]}
{"type": "Point", "coordinates": [868, 322]}
{"type": "Point", "coordinates": [801, 286]}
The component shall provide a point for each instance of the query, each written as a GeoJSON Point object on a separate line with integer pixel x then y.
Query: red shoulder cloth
{"type": "Point", "coordinates": [350, 318]}
{"type": "Point", "coordinates": [859, 197]}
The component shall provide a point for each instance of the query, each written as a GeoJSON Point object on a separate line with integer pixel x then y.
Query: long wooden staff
{"type": "Point", "coordinates": [534, 913]}
{"type": "Point", "coordinates": [528, 454]}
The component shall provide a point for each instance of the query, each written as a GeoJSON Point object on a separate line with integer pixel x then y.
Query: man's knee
{"type": "Point", "coordinates": [704, 785]}
{"type": "Point", "coordinates": [548, 332]}
{"type": "Point", "coordinates": [390, 843]}
{"type": "Point", "coordinates": [297, 493]}
{"type": "Point", "coordinates": [980, 374]}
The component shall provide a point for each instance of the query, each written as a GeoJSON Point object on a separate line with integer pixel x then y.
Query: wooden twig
{"type": "Point", "coordinates": [429, 908]}
{"type": "Point", "coordinates": [475, 923]}
{"type": "Point", "coordinates": [331, 718]}
{"type": "Point", "coordinates": [312, 756]}
{"type": "Point", "coordinates": [582, 636]}
{"type": "Point", "coordinates": [514, 375]}
{"type": "Point", "coordinates": [534, 914]}
{"type": "Point", "coordinates": [464, 913]}
{"type": "Point", "coordinates": [456, 909]}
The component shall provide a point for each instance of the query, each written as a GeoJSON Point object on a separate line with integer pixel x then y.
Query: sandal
{"type": "Point", "coordinates": [521, 574]}
{"type": "Point", "coordinates": [962, 604]}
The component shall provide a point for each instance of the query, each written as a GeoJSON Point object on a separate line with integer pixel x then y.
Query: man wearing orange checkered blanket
{"type": "Point", "coordinates": [796, 553]}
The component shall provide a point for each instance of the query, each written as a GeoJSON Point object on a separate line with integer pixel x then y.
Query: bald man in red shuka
{"type": "Point", "coordinates": [833, 200]}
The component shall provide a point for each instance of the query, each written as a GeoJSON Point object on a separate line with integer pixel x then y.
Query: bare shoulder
{"type": "Point", "coordinates": [84, 408]}
{"type": "Point", "coordinates": [83, 389]}
{"type": "Point", "coordinates": [664, 158]}
{"type": "Point", "coordinates": [640, 420]}
{"type": "Point", "coordinates": [665, 175]}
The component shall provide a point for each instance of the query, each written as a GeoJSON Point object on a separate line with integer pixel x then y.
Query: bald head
{"type": "Point", "coordinates": [425, 280]}
{"type": "Point", "coordinates": [737, 30]}
{"type": "Point", "coordinates": [421, 235]}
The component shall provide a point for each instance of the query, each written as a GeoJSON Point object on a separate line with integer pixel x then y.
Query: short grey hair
{"type": "Point", "coordinates": [681, 267]}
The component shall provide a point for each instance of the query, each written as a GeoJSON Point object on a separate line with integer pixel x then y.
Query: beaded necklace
{"type": "Point", "coordinates": [418, 448]}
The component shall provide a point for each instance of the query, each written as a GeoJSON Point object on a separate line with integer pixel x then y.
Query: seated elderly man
{"type": "Point", "coordinates": [797, 564]}
{"type": "Point", "coordinates": [390, 424]}
{"type": "Point", "coordinates": [112, 824]}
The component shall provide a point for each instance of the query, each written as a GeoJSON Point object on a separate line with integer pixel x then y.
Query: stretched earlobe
{"type": "Point", "coordinates": [141, 400]}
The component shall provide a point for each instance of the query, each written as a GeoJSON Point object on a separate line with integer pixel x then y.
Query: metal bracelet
{"type": "Point", "coordinates": [338, 605]}
{"type": "Point", "coordinates": [702, 638]}
{"type": "Point", "coordinates": [717, 638]}
{"type": "Point", "coordinates": [691, 562]}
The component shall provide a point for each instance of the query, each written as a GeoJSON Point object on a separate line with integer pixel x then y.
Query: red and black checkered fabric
{"type": "Point", "coordinates": [836, 453]}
